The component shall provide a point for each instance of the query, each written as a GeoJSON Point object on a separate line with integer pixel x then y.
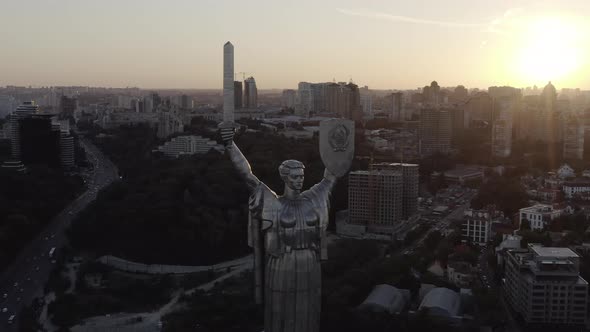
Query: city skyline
{"type": "Point", "coordinates": [381, 44]}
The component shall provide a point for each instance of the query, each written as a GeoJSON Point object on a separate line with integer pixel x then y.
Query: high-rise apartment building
{"type": "Point", "coordinates": [250, 93]}
{"type": "Point", "coordinates": [238, 94]}
{"type": "Point", "coordinates": [344, 100]}
{"type": "Point", "coordinates": [573, 139]}
{"type": "Point", "coordinates": [366, 100]}
{"type": "Point", "coordinates": [375, 199]}
{"type": "Point", "coordinates": [289, 98]}
{"type": "Point", "coordinates": [67, 106]}
{"type": "Point", "coordinates": [66, 150]}
{"type": "Point", "coordinates": [394, 106]}
{"type": "Point", "coordinates": [410, 184]}
{"type": "Point", "coordinates": [22, 111]}
{"type": "Point", "coordinates": [544, 286]}
{"type": "Point", "coordinates": [318, 91]}
{"type": "Point", "coordinates": [435, 131]}
{"type": "Point", "coordinates": [502, 128]}
{"type": "Point", "coordinates": [228, 82]}
{"type": "Point", "coordinates": [39, 140]}
{"type": "Point", "coordinates": [431, 94]}
{"type": "Point", "coordinates": [478, 110]}
{"type": "Point", "coordinates": [304, 99]}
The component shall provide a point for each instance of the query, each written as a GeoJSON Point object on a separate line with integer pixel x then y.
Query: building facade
{"type": "Point", "coordinates": [250, 93]}
{"type": "Point", "coordinates": [289, 98]}
{"type": "Point", "coordinates": [410, 184]}
{"type": "Point", "coordinates": [573, 140]}
{"type": "Point", "coordinates": [238, 94]}
{"type": "Point", "coordinates": [188, 145]}
{"type": "Point", "coordinates": [435, 132]}
{"type": "Point", "coordinates": [477, 225]}
{"type": "Point", "coordinates": [375, 199]}
{"type": "Point", "coordinates": [539, 216]}
{"type": "Point", "coordinates": [544, 286]}
{"type": "Point", "coordinates": [22, 111]}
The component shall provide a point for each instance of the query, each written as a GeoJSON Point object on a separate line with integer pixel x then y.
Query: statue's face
{"type": "Point", "coordinates": [295, 179]}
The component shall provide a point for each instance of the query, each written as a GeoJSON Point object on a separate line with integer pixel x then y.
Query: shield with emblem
{"type": "Point", "coordinates": [337, 145]}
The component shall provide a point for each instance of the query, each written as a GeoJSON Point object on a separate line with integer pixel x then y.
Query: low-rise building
{"type": "Point", "coordinates": [461, 175]}
{"type": "Point", "coordinates": [386, 298]}
{"type": "Point", "coordinates": [565, 171]}
{"type": "Point", "coordinates": [580, 187]}
{"type": "Point", "coordinates": [477, 224]}
{"type": "Point", "coordinates": [443, 303]}
{"type": "Point", "coordinates": [544, 286]}
{"type": "Point", "coordinates": [539, 215]}
{"type": "Point", "coordinates": [188, 145]}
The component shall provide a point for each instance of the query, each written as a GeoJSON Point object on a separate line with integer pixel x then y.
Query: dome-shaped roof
{"type": "Point", "coordinates": [549, 88]}
{"type": "Point", "coordinates": [386, 298]}
{"type": "Point", "coordinates": [442, 302]}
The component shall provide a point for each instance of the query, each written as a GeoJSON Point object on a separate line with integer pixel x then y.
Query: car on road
{"type": "Point", "coordinates": [5, 295]}
{"type": "Point", "coordinates": [4, 310]}
{"type": "Point", "coordinates": [11, 319]}
{"type": "Point", "coordinates": [15, 284]}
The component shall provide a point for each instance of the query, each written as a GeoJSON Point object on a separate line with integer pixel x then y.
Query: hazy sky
{"type": "Point", "coordinates": [383, 44]}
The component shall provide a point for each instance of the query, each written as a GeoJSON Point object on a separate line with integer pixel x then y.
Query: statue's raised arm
{"type": "Point", "coordinates": [237, 158]}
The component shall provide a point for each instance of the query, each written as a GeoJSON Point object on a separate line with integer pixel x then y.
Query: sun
{"type": "Point", "coordinates": [549, 49]}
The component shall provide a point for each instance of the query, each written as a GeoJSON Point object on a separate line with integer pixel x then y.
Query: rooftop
{"type": "Point", "coordinates": [553, 252]}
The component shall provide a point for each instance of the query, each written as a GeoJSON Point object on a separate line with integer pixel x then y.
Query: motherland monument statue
{"type": "Point", "coordinates": [288, 231]}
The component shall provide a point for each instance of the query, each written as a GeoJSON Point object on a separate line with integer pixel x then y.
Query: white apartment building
{"type": "Point", "coordinates": [543, 284]}
{"type": "Point", "coordinates": [477, 225]}
{"type": "Point", "coordinates": [575, 188]}
{"type": "Point", "coordinates": [188, 145]}
{"type": "Point", "coordinates": [539, 215]}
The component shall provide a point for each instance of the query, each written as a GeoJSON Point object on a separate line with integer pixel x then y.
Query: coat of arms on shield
{"type": "Point", "coordinates": [337, 145]}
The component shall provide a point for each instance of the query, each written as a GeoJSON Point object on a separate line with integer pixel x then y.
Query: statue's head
{"type": "Point", "coordinates": [292, 173]}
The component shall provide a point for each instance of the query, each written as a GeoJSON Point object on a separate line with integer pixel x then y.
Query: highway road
{"type": "Point", "coordinates": [25, 278]}
{"type": "Point", "coordinates": [445, 222]}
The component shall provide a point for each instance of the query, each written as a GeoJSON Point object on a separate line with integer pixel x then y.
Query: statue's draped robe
{"type": "Point", "coordinates": [294, 244]}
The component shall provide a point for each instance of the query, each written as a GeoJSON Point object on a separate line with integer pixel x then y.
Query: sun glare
{"type": "Point", "coordinates": [549, 49]}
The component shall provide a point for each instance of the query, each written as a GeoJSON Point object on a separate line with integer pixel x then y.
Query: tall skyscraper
{"type": "Point", "coordinates": [394, 106]}
{"type": "Point", "coordinates": [431, 94]}
{"type": "Point", "coordinates": [318, 91]}
{"type": "Point", "coordinates": [67, 106]}
{"type": "Point", "coordinates": [250, 93]}
{"type": "Point", "coordinates": [228, 82]}
{"type": "Point", "coordinates": [549, 98]}
{"type": "Point", "coordinates": [366, 100]}
{"type": "Point", "coordinates": [502, 128]}
{"type": "Point", "coordinates": [435, 131]}
{"type": "Point", "coordinates": [237, 94]}
{"type": "Point", "coordinates": [22, 111]}
{"type": "Point", "coordinates": [573, 139]}
{"type": "Point", "coordinates": [304, 99]}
